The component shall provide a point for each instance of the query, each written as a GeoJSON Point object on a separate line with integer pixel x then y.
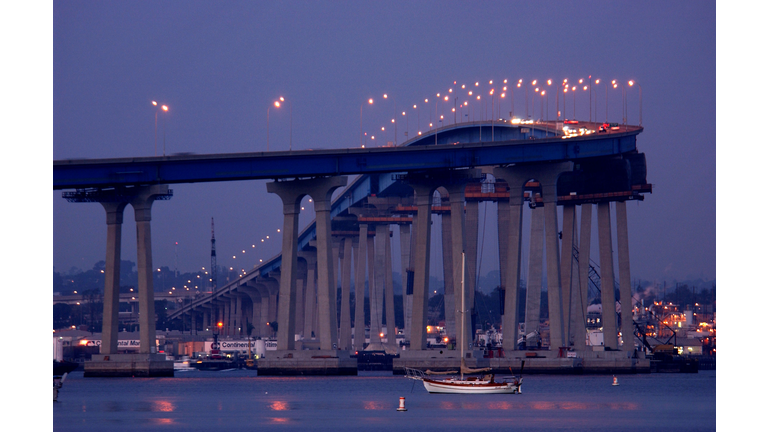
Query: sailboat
{"type": "Point", "coordinates": [483, 384]}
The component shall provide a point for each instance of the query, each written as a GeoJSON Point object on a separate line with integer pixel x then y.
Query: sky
{"type": "Point", "coordinates": [81, 75]}
{"type": "Point", "coordinates": [220, 66]}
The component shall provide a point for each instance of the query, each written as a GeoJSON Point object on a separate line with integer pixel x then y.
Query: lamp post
{"type": "Point", "coordinates": [632, 83]}
{"type": "Point", "coordinates": [394, 109]}
{"type": "Point", "coordinates": [164, 108]}
{"type": "Point", "coordinates": [370, 102]}
{"type": "Point", "coordinates": [406, 126]}
{"type": "Point", "coordinates": [277, 104]}
{"type": "Point", "coordinates": [290, 132]}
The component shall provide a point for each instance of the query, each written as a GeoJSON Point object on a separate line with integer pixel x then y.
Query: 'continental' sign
{"type": "Point", "coordinates": [240, 345]}
{"type": "Point", "coordinates": [121, 343]}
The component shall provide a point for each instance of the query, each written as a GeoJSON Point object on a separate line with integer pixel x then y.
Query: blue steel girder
{"type": "Point", "coordinates": [419, 156]}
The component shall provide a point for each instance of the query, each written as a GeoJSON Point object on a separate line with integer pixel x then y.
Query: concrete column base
{"type": "Point", "coordinates": [128, 365]}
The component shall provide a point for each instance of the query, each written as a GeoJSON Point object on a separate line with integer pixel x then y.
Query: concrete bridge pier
{"type": "Point", "coordinates": [625, 288]}
{"type": "Point", "coordinates": [345, 322]}
{"type": "Point", "coordinates": [580, 295]}
{"type": "Point", "coordinates": [462, 236]}
{"type": "Point", "coordinates": [543, 220]}
{"type": "Point", "coordinates": [112, 277]}
{"type": "Point", "coordinates": [607, 295]}
{"type": "Point", "coordinates": [376, 297]}
{"type": "Point", "coordinates": [310, 294]}
{"type": "Point", "coordinates": [548, 182]}
{"type": "Point", "coordinates": [256, 299]}
{"type": "Point", "coordinates": [405, 256]}
{"type": "Point", "coordinates": [389, 295]}
{"type": "Point", "coordinates": [567, 266]}
{"type": "Point", "coordinates": [423, 190]}
{"type": "Point", "coordinates": [449, 295]}
{"type": "Point", "coordinates": [147, 362]}
{"type": "Point", "coordinates": [291, 193]}
{"type": "Point", "coordinates": [534, 282]}
{"type": "Point", "coordinates": [360, 266]}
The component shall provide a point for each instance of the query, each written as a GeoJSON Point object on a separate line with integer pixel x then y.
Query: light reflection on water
{"type": "Point", "coordinates": [207, 400]}
{"type": "Point", "coordinates": [279, 406]}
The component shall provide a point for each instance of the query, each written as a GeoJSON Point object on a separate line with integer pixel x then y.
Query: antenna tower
{"type": "Point", "coordinates": [214, 284]}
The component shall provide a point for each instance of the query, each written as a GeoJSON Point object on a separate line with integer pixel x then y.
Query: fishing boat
{"type": "Point", "coordinates": [485, 383]}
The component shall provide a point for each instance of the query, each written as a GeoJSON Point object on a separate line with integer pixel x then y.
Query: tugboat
{"type": "Point", "coordinates": [215, 360]}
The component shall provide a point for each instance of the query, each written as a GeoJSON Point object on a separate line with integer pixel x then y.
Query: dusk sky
{"type": "Point", "coordinates": [220, 66]}
{"type": "Point", "coordinates": [82, 75]}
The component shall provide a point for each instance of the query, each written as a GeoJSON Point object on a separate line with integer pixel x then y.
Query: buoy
{"type": "Point", "coordinates": [402, 405]}
{"type": "Point", "coordinates": [615, 380]}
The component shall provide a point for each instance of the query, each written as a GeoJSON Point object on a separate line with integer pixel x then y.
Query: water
{"type": "Point", "coordinates": [240, 400]}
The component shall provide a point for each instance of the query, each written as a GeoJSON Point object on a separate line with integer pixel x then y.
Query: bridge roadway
{"type": "Point", "coordinates": [450, 147]}
{"type": "Point", "coordinates": [453, 147]}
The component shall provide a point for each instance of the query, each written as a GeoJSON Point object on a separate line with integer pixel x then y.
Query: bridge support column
{"type": "Point", "coordinates": [458, 247]}
{"type": "Point", "coordinates": [345, 324]}
{"type": "Point", "coordinates": [503, 211]}
{"type": "Point", "coordinates": [516, 178]}
{"type": "Point", "coordinates": [389, 295]}
{"type": "Point", "coordinates": [579, 296]}
{"type": "Point", "coordinates": [608, 297]}
{"type": "Point", "coordinates": [310, 294]}
{"type": "Point", "coordinates": [423, 198]}
{"type": "Point", "coordinates": [566, 269]}
{"type": "Point", "coordinates": [142, 207]}
{"type": "Point", "coordinates": [112, 277]}
{"type": "Point", "coordinates": [450, 287]}
{"type": "Point", "coordinates": [256, 299]}
{"type": "Point", "coordinates": [471, 223]}
{"type": "Point", "coordinates": [554, 286]}
{"type": "Point", "coordinates": [291, 192]}
{"type": "Point", "coordinates": [377, 293]}
{"type": "Point", "coordinates": [360, 266]}
{"type": "Point", "coordinates": [301, 287]}
{"type": "Point", "coordinates": [405, 256]}
{"type": "Point", "coordinates": [533, 284]}
{"type": "Point", "coordinates": [511, 266]}
{"type": "Point", "coordinates": [625, 283]}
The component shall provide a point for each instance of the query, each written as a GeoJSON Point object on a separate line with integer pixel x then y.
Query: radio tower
{"type": "Point", "coordinates": [214, 284]}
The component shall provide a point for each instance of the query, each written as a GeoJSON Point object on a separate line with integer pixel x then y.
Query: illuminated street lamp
{"type": "Point", "coordinates": [394, 109]}
{"type": "Point", "coordinates": [277, 104]}
{"type": "Point", "coordinates": [370, 102]}
{"type": "Point", "coordinates": [164, 108]}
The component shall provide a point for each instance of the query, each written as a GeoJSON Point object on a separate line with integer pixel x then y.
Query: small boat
{"type": "Point", "coordinates": [215, 361]}
{"type": "Point", "coordinates": [483, 384]}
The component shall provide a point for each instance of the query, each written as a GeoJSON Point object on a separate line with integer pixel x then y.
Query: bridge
{"type": "Point", "coordinates": [541, 164]}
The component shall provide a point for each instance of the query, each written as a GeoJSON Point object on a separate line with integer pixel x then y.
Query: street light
{"type": "Point", "coordinates": [277, 104]}
{"type": "Point", "coordinates": [394, 109]}
{"type": "Point", "coordinates": [290, 133]}
{"type": "Point", "coordinates": [164, 108]}
{"type": "Point", "coordinates": [370, 102]}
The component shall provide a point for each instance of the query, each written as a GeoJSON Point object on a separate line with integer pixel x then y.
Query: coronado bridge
{"type": "Point", "coordinates": [533, 166]}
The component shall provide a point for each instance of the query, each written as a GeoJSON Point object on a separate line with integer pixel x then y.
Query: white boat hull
{"type": "Point", "coordinates": [470, 387]}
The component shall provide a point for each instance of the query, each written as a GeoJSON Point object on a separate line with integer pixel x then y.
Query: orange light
{"type": "Point", "coordinates": [220, 324]}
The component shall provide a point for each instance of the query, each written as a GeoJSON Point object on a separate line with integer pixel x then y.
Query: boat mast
{"type": "Point", "coordinates": [461, 363]}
